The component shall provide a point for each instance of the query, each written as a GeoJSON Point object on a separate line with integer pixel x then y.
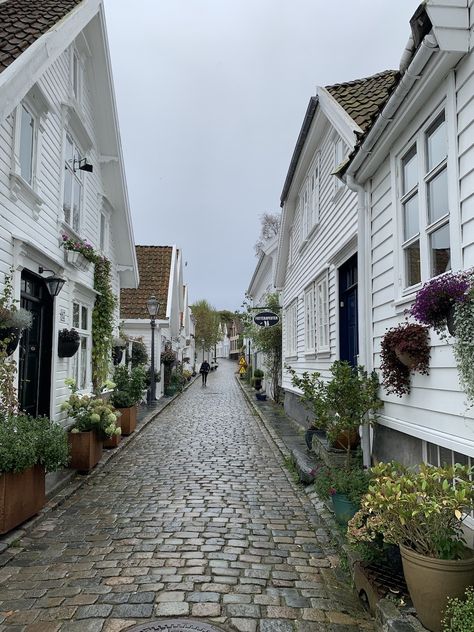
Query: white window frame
{"type": "Point", "coordinates": [76, 176]}
{"type": "Point", "coordinates": [105, 214]}
{"type": "Point", "coordinates": [308, 200]}
{"type": "Point", "coordinates": [76, 76]}
{"type": "Point", "coordinates": [37, 105]}
{"type": "Point", "coordinates": [315, 190]}
{"type": "Point", "coordinates": [291, 246]}
{"type": "Point", "coordinates": [85, 335]}
{"type": "Point", "coordinates": [291, 330]}
{"type": "Point", "coordinates": [310, 319]}
{"type": "Point", "coordinates": [323, 342]}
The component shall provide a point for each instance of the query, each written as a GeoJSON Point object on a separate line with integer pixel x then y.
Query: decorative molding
{"type": "Point", "coordinates": [72, 119]}
{"type": "Point", "coordinates": [21, 190]}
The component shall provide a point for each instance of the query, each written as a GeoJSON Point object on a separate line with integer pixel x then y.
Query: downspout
{"type": "Point", "coordinates": [363, 303]}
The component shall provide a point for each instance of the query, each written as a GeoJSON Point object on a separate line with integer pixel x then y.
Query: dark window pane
{"type": "Point", "coordinates": [84, 318]}
{"type": "Point", "coordinates": [75, 315]}
{"type": "Point", "coordinates": [436, 143]}
{"type": "Point", "coordinates": [440, 251]}
{"type": "Point", "coordinates": [410, 171]}
{"type": "Point", "coordinates": [67, 196]}
{"type": "Point", "coordinates": [432, 454]}
{"type": "Point", "coordinates": [411, 225]}
{"type": "Point", "coordinates": [412, 262]}
{"type": "Point", "coordinates": [445, 456]}
{"type": "Point", "coordinates": [463, 459]}
{"type": "Point", "coordinates": [438, 196]}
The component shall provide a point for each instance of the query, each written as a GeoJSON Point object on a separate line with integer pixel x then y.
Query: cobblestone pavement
{"type": "Point", "coordinates": [196, 518]}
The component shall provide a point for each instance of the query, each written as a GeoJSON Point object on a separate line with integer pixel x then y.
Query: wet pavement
{"type": "Point", "coordinates": [196, 518]}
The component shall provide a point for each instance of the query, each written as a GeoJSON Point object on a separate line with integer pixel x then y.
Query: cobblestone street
{"type": "Point", "coordinates": [196, 518]}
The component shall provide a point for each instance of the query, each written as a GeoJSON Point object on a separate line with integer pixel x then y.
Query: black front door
{"type": "Point", "coordinates": [348, 320]}
{"type": "Point", "coordinates": [36, 347]}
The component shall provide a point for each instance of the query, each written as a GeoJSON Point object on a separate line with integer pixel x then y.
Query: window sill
{"type": "Point", "coordinates": [291, 357]}
{"type": "Point", "coordinates": [21, 190]}
{"type": "Point", "coordinates": [324, 354]}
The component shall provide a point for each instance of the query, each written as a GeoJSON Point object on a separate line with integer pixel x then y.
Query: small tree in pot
{"type": "Point", "coordinates": [128, 391]}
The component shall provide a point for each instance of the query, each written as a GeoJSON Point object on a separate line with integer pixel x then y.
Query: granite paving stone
{"type": "Point", "coordinates": [196, 517]}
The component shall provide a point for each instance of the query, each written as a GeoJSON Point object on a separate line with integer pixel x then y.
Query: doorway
{"type": "Point", "coordinates": [34, 389]}
{"type": "Point", "coordinates": [348, 315]}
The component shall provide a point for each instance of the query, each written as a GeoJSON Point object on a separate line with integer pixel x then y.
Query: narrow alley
{"type": "Point", "coordinates": [196, 518]}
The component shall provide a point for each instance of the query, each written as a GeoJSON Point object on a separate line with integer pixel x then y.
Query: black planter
{"type": "Point", "coordinates": [450, 324]}
{"type": "Point", "coordinates": [257, 384]}
{"type": "Point", "coordinates": [67, 348]}
{"type": "Point", "coordinates": [13, 335]}
{"type": "Point", "coordinates": [117, 354]}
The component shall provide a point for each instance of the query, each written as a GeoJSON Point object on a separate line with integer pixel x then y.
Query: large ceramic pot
{"type": "Point", "coordinates": [13, 335]}
{"type": "Point", "coordinates": [431, 581]}
{"type": "Point", "coordinates": [86, 450]}
{"type": "Point", "coordinates": [67, 348]}
{"type": "Point", "coordinates": [128, 420]}
{"type": "Point", "coordinates": [344, 509]}
{"type": "Point", "coordinates": [22, 495]}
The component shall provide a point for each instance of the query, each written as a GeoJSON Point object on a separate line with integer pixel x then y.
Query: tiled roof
{"type": "Point", "coordinates": [362, 99]}
{"type": "Point", "coordinates": [154, 266]}
{"type": "Point", "coordinates": [22, 22]}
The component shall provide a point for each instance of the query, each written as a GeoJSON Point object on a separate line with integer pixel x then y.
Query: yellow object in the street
{"type": "Point", "coordinates": [242, 370]}
{"type": "Point", "coordinates": [243, 362]}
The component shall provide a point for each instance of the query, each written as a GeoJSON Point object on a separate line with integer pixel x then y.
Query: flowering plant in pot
{"type": "Point", "coordinates": [128, 391]}
{"type": "Point", "coordinates": [422, 511]}
{"type": "Point", "coordinates": [435, 302]}
{"type": "Point", "coordinates": [404, 349]}
{"type": "Point", "coordinates": [68, 342]}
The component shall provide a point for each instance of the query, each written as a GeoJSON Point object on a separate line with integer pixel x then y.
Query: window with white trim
{"type": "Point", "coordinates": [27, 144]}
{"type": "Point", "coordinates": [322, 314]}
{"type": "Point", "coordinates": [73, 184]}
{"type": "Point", "coordinates": [314, 188]}
{"type": "Point", "coordinates": [76, 75]}
{"type": "Point", "coordinates": [81, 360]}
{"type": "Point", "coordinates": [308, 200]}
{"type": "Point", "coordinates": [291, 314]}
{"type": "Point", "coordinates": [424, 204]}
{"type": "Point", "coordinates": [309, 320]}
{"type": "Point", "coordinates": [291, 247]}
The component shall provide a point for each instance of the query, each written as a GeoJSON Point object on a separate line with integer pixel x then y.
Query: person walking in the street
{"type": "Point", "coordinates": [204, 370]}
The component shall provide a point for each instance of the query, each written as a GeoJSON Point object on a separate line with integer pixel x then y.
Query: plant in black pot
{"type": "Point", "coordinates": [13, 321]}
{"type": "Point", "coordinates": [257, 379]}
{"type": "Point", "coordinates": [68, 342]}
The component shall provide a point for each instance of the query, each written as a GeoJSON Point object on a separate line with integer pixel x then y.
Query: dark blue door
{"type": "Point", "coordinates": [348, 320]}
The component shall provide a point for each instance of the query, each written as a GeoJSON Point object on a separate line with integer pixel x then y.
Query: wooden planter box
{"type": "Point", "coordinates": [112, 442]}
{"type": "Point", "coordinates": [85, 449]}
{"type": "Point", "coordinates": [128, 420]}
{"type": "Point", "coordinates": [22, 495]}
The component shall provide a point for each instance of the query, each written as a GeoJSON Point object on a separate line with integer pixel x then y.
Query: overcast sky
{"type": "Point", "coordinates": [211, 97]}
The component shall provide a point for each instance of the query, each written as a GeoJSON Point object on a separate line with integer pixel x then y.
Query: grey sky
{"type": "Point", "coordinates": [211, 96]}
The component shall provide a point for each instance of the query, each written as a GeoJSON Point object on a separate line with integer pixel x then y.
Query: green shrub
{"type": "Point", "coordinates": [129, 386]}
{"type": "Point", "coordinates": [258, 373]}
{"type": "Point", "coordinates": [459, 614]}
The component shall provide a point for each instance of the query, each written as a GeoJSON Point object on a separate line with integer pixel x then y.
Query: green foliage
{"type": "Point", "coordinates": [26, 441]}
{"type": "Point", "coordinates": [139, 353]}
{"type": "Point", "coordinates": [459, 613]}
{"type": "Point", "coordinates": [258, 373]}
{"type": "Point", "coordinates": [129, 386]}
{"type": "Point", "coordinates": [422, 509]}
{"type": "Point", "coordinates": [463, 344]}
{"type": "Point", "coordinates": [8, 393]}
{"type": "Point", "coordinates": [314, 396]}
{"type": "Point", "coordinates": [102, 321]}
{"type": "Point", "coordinates": [207, 324]}
{"type": "Point", "coordinates": [90, 413]}
{"type": "Point", "coordinates": [353, 482]}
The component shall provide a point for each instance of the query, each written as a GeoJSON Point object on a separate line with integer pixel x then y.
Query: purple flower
{"type": "Point", "coordinates": [438, 296]}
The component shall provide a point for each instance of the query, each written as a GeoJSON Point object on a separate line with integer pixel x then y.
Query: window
{"type": "Point", "coordinates": [322, 314]}
{"type": "Point", "coordinates": [425, 238]}
{"type": "Point", "coordinates": [291, 329]}
{"type": "Point", "coordinates": [308, 200]}
{"type": "Point", "coordinates": [291, 247]}
{"type": "Point", "coordinates": [80, 321]}
{"type": "Point", "coordinates": [309, 320]}
{"type": "Point", "coordinates": [103, 232]}
{"type": "Point", "coordinates": [72, 196]}
{"type": "Point", "coordinates": [314, 185]}
{"type": "Point", "coordinates": [27, 144]}
{"type": "Point", "coordinates": [338, 158]}
{"type": "Point", "coordinates": [76, 76]}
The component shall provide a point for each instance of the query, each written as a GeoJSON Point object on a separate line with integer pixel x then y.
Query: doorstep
{"type": "Point", "coordinates": [65, 482]}
{"type": "Point", "coordinates": [288, 435]}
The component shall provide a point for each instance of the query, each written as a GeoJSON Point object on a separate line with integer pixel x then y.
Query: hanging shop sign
{"type": "Point", "coordinates": [266, 319]}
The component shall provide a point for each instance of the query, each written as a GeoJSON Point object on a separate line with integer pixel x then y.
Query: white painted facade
{"type": "Point", "coordinates": [58, 92]}
{"type": "Point", "coordinates": [433, 422]}
{"type": "Point", "coordinates": [223, 344]}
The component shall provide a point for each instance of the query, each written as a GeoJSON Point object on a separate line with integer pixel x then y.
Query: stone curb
{"type": "Point", "coordinates": [74, 482]}
{"type": "Point", "coordinates": [388, 618]}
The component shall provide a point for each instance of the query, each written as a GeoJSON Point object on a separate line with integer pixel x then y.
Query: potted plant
{"type": "Point", "coordinates": [435, 302]}
{"type": "Point", "coordinates": [114, 434]}
{"type": "Point", "coordinates": [94, 421]}
{"type": "Point", "coordinates": [422, 511]}
{"type": "Point", "coordinates": [128, 391]}
{"type": "Point", "coordinates": [345, 486]}
{"type": "Point", "coordinates": [257, 379]}
{"type": "Point", "coordinates": [68, 343]}
{"type": "Point", "coordinates": [459, 613]}
{"type": "Point", "coordinates": [13, 320]}
{"type": "Point", "coordinates": [29, 447]}
{"type": "Point", "coordinates": [462, 345]}
{"type": "Point", "coordinates": [139, 353]}
{"type": "Point", "coordinates": [404, 349]}
{"type": "Point", "coordinates": [314, 398]}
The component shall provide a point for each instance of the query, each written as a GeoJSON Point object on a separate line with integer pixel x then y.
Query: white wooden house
{"type": "Point", "coordinates": [223, 344]}
{"type": "Point", "coordinates": [57, 116]}
{"type": "Point", "coordinates": [414, 172]}
{"type": "Point", "coordinates": [316, 268]}
{"type": "Point", "coordinates": [161, 275]}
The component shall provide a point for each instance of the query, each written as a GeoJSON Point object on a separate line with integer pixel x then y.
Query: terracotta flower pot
{"type": "Point", "coordinates": [431, 581]}
{"type": "Point", "coordinates": [22, 495]}
{"type": "Point", "coordinates": [128, 420]}
{"type": "Point", "coordinates": [405, 358]}
{"type": "Point", "coordinates": [86, 450]}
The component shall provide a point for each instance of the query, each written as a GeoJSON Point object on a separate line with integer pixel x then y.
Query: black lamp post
{"type": "Point", "coordinates": [152, 306]}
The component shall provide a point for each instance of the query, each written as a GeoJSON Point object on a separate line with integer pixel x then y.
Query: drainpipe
{"type": "Point", "coordinates": [363, 300]}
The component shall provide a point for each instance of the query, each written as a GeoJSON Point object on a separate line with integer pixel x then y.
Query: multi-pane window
{"type": "Point", "coordinates": [425, 206]}
{"type": "Point", "coordinates": [80, 321]}
{"type": "Point", "coordinates": [308, 200]}
{"type": "Point", "coordinates": [103, 232]}
{"type": "Point", "coordinates": [27, 144]}
{"type": "Point", "coordinates": [72, 197]}
{"type": "Point", "coordinates": [322, 314]}
{"type": "Point", "coordinates": [310, 320]}
{"type": "Point", "coordinates": [291, 329]}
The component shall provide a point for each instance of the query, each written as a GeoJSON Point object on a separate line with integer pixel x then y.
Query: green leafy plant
{"type": "Point", "coordinates": [314, 396]}
{"type": "Point", "coordinates": [102, 321]}
{"type": "Point", "coordinates": [459, 613]}
{"type": "Point", "coordinates": [463, 343]}
{"type": "Point", "coordinates": [410, 339]}
{"type": "Point", "coordinates": [27, 441]}
{"type": "Point", "coordinates": [258, 373]}
{"type": "Point", "coordinates": [351, 481]}
{"type": "Point", "coordinates": [422, 509]}
{"type": "Point", "coordinates": [129, 386]}
{"type": "Point", "coordinates": [139, 353]}
{"type": "Point", "coordinates": [90, 413]}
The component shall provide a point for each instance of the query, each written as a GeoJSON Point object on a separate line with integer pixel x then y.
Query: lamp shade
{"type": "Point", "coordinates": [54, 284]}
{"type": "Point", "coordinates": [152, 306]}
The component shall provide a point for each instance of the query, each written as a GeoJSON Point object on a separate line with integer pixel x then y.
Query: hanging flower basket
{"type": "Point", "coordinates": [68, 343]}
{"type": "Point", "coordinates": [10, 336]}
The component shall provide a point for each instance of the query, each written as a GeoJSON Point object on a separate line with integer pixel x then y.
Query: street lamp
{"type": "Point", "coordinates": [152, 306]}
{"type": "Point", "coordinates": [202, 344]}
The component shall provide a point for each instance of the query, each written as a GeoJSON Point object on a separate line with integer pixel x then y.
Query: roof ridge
{"type": "Point", "coordinates": [377, 75]}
